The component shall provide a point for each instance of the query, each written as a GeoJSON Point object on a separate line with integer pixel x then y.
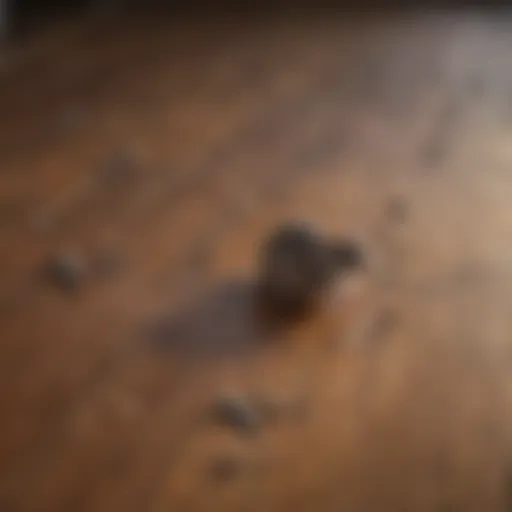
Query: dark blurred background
{"type": "Point", "coordinates": [21, 16]}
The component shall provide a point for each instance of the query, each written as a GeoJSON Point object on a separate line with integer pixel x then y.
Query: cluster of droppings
{"type": "Point", "coordinates": [68, 270]}
{"type": "Point", "coordinates": [297, 264]}
{"type": "Point", "coordinates": [247, 416]}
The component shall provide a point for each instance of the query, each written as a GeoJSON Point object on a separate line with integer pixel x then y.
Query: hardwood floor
{"type": "Point", "coordinates": [147, 159]}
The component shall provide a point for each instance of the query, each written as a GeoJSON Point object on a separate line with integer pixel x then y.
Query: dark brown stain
{"type": "Point", "coordinates": [221, 323]}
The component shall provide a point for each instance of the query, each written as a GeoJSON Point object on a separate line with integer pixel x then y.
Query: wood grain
{"type": "Point", "coordinates": [173, 149]}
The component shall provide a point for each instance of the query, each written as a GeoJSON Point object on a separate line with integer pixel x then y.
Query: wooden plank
{"type": "Point", "coordinates": [177, 149]}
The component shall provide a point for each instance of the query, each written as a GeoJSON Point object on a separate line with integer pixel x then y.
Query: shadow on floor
{"type": "Point", "coordinates": [222, 323]}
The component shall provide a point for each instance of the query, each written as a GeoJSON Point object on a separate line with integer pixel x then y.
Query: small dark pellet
{"type": "Point", "coordinates": [238, 414]}
{"type": "Point", "coordinates": [66, 271]}
{"type": "Point", "coordinates": [295, 266]}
